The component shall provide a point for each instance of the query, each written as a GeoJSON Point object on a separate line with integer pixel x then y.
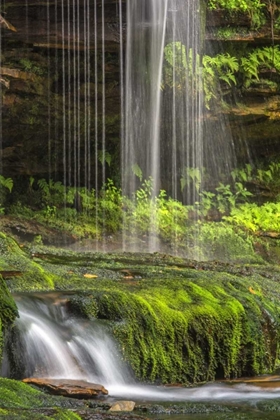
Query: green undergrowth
{"type": "Point", "coordinates": [18, 399]}
{"type": "Point", "coordinates": [254, 218]}
{"type": "Point", "coordinates": [223, 242]}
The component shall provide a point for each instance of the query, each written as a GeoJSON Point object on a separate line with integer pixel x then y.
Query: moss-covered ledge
{"type": "Point", "coordinates": [8, 312]}
{"type": "Point", "coordinates": [189, 330]}
{"type": "Point", "coordinates": [175, 320]}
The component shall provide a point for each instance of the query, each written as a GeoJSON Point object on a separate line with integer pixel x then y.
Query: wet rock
{"type": "Point", "coordinates": [68, 387]}
{"type": "Point", "coordinates": [267, 381]}
{"type": "Point", "coordinates": [123, 406]}
{"type": "Point", "coordinates": [27, 231]}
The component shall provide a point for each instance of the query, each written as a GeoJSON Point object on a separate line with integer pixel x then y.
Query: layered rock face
{"type": "Point", "coordinates": [253, 109]}
{"type": "Point", "coordinates": [61, 89]}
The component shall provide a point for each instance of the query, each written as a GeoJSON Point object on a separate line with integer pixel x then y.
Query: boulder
{"type": "Point", "coordinates": [123, 406]}
{"type": "Point", "coordinates": [68, 387]}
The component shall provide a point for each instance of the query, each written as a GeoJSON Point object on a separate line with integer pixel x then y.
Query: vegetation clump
{"type": "Point", "coordinates": [16, 262]}
{"type": "Point", "coordinates": [8, 312]}
{"type": "Point", "coordinates": [21, 401]}
{"type": "Point", "coordinates": [181, 325]}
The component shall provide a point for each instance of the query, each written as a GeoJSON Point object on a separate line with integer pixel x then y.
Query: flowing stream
{"type": "Point", "coordinates": [52, 343]}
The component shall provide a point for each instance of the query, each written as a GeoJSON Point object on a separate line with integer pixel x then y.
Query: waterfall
{"type": "Point", "coordinates": [163, 98]}
{"type": "Point", "coordinates": [139, 62]}
{"type": "Point", "coordinates": [53, 344]}
{"type": "Point", "coordinates": [47, 341]}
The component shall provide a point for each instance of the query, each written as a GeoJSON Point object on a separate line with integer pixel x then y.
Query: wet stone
{"type": "Point", "coordinates": [68, 387]}
{"type": "Point", "coordinates": [123, 406]}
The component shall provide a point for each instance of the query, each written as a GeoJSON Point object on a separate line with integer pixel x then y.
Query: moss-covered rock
{"type": "Point", "coordinates": [30, 274]}
{"type": "Point", "coordinates": [191, 329]}
{"type": "Point", "coordinates": [8, 311]}
{"type": "Point", "coordinates": [21, 401]}
{"type": "Point", "coordinates": [175, 320]}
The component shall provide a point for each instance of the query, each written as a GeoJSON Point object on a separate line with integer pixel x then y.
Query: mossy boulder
{"type": "Point", "coordinates": [8, 311]}
{"type": "Point", "coordinates": [204, 327]}
{"type": "Point", "coordinates": [16, 261]}
{"type": "Point", "coordinates": [21, 401]}
{"type": "Point", "coordinates": [175, 320]}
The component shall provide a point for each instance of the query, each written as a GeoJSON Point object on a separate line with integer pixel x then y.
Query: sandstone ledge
{"type": "Point", "coordinates": [68, 387]}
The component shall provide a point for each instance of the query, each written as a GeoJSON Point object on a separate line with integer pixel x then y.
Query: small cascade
{"type": "Point", "coordinates": [47, 342]}
{"type": "Point", "coordinates": [53, 344]}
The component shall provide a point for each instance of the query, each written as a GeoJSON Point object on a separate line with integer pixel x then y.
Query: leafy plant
{"type": "Point", "coordinates": [255, 218]}
{"type": "Point", "coordinates": [230, 32]}
{"type": "Point", "coordinates": [6, 183]}
{"type": "Point", "coordinates": [234, 4]}
{"type": "Point", "coordinates": [253, 7]}
{"type": "Point", "coordinates": [206, 202]}
{"type": "Point", "coordinates": [137, 171]}
{"type": "Point", "coordinates": [31, 67]}
{"type": "Point", "coordinates": [182, 70]}
{"type": "Point", "coordinates": [244, 174]}
{"type": "Point", "coordinates": [145, 192]}
{"type": "Point", "coordinates": [220, 68]}
{"type": "Point", "coordinates": [55, 193]}
{"type": "Point", "coordinates": [104, 157]}
{"type": "Point", "coordinates": [269, 178]}
{"type": "Point", "coordinates": [258, 60]}
{"type": "Point", "coordinates": [191, 175]}
{"type": "Point", "coordinates": [109, 207]}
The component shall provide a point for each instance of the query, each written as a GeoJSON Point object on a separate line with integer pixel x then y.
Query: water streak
{"type": "Point", "coordinates": [163, 101]}
{"type": "Point", "coordinates": [55, 345]}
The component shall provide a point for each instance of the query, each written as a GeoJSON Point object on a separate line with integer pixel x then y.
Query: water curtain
{"type": "Point", "coordinates": [163, 98]}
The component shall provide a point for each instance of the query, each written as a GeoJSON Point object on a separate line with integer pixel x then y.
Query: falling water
{"type": "Point", "coordinates": [163, 98]}
{"type": "Point", "coordinates": [49, 342]}
{"type": "Point", "coordinates": [1, 108]}
{"type": "Point", "coordinates": [146, 27]}
{"type": "Point", "coordinates": [55, 345]}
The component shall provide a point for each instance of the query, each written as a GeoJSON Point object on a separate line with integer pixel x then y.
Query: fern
{"type": "Point", "coordinates": [137, 171]}
{"type": "Point", "coordinates": [6, 183]}
{"type": "Point", "coordinates": [104, 157]}
{"type": "Point", "coordinates": [44, 185]}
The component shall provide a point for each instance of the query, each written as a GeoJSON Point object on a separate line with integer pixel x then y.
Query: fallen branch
{"type": "Point", "coordinates": [7, 24]}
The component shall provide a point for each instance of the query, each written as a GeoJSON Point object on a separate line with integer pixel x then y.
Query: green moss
{"type": "Point", "coordinates": [189, 330]}
{"type": "Point", "coordinates": [21, 401]}
{"type": "Point", "coordinates": [66, 415]}
{"type": "Point", "coordinates": [8, 311]}
{"type": "Point", "coordinates": [175, 320]}
{"type": "Point", "coordinates": [17, 394]}
{"type": "Point", "coordinates": [26, 414]}
{"type": "Point", "coordinates": [12, 258]}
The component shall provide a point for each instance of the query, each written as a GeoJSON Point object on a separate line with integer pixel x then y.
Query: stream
{"type": "Point", "coordinates": [54, 344]}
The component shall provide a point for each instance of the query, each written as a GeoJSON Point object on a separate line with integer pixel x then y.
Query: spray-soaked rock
{"type": "Point", "coordinates": [68, 387]}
